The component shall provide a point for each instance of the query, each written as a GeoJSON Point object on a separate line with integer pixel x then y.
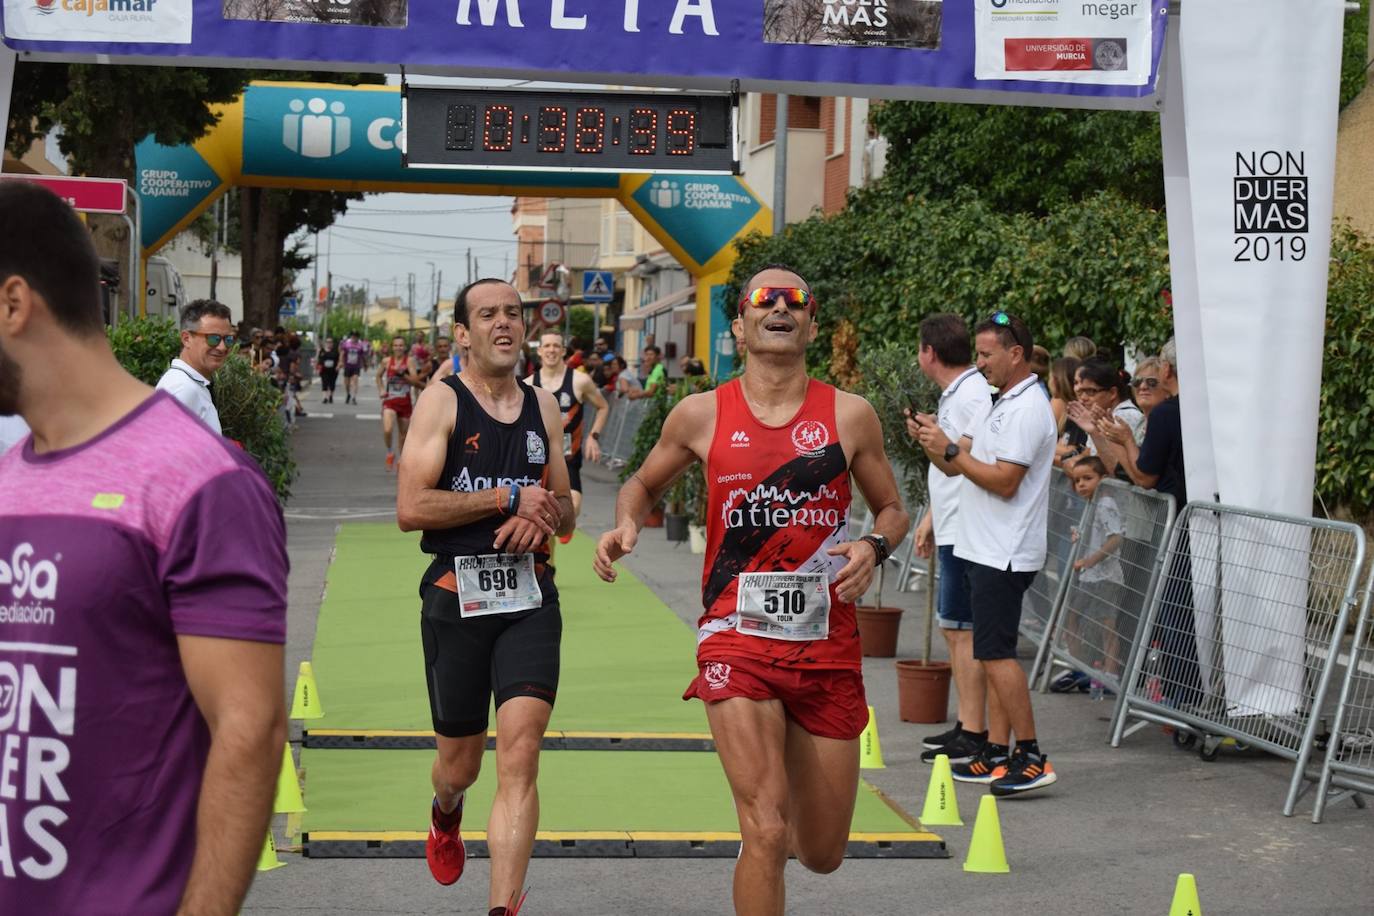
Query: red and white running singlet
{"type": "Point", "coordinates": [778, 500]}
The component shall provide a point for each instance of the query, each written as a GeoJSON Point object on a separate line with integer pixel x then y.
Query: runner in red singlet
{"type": "Point", "coordinates": [778, 643]}
{"type": "Point", "coordinates": [396, 376]}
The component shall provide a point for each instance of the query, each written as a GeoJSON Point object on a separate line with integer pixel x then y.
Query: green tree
{"type": "Point", "coordinates": [106, 110]}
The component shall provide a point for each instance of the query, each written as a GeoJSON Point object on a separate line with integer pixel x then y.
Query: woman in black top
{"type": "Point", "coordinates": [327, 365]}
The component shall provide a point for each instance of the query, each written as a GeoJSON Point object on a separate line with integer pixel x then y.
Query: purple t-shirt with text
{"type": "Point", "coordinates": [109, 551]}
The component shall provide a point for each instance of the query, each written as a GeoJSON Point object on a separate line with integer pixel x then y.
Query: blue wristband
{"type": "Point", "coordinates": [513, 503]}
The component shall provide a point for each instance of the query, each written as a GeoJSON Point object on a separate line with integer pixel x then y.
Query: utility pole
{"type": "Point", "coordinates": [214, 249]}
{"type": "Point", "coordinates": [410, 286]}
{"type": "Point", "coordinates": [469, 265]}
{"type": "Point", "coordinates": [780, 167]}
{"type": "Point", "coordinates": [434, 315]}
{"type": "Point", "coordinates": [328, 304]}
{"type": "Point", "coordinates": [315, 287]}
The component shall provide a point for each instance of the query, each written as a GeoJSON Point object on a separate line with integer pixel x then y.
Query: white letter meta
{"type": "Point", "coordinates": [559, 19]}
{"type": "Point", "coordinates": [486, 9]}
{"type": "Point", "coordinates": [699, 8]}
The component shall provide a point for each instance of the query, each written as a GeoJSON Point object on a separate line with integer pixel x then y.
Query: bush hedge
{"type": "Point", "coordinates": [246, 400]}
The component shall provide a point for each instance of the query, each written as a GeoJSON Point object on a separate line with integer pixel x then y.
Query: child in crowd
{"type": "Point", "coordinates": [1091, 629]}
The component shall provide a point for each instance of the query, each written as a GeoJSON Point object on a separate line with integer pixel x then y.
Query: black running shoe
{"type": "Point", "coordinates": [962, 749]}
{"type": "Point", "coordinates": [943, 738]}
{"type": "Point", "coordinates": [1024, 772]}
{"type": "Point", "coordinates": [983, 768]}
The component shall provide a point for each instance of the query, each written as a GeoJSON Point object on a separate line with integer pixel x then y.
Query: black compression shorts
{"type": "Point", "coordinates": [469, 660]}
{"type": "Point", "coordinates": [575, 476]}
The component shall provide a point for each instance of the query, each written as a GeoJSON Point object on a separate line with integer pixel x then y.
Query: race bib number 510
{"type": "Point", "coordinates": [499, 583]}
{"type": "Point", "coordinates": [791, 606]}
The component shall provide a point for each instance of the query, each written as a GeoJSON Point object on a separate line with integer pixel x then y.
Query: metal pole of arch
{"type": "Point", "coordinates": [780, 167]}
{"type": "Point", "coordinates": [7, 58]}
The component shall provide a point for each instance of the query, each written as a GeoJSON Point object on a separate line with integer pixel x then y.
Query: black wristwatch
{"type": "Point", "coordinates": [596, 437]}
{"type": "Point", "coordinates": [951, 451]}
{"type": "Point", "coordinates": [880, 549]}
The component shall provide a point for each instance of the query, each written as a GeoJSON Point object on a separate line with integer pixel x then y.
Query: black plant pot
{"type": "Point", "coordinates": [675, 526]}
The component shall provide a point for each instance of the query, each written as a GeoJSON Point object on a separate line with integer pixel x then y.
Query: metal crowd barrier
{"type": "Point", "coordinates": [1349, 760]}
{"type": "Point", "coordinates": [1096, 622]}
{"type": "Point", "coordinates": [1045, 592]}
{"type": "Point", "coordinates": [619, 439]}
{"type": "Point", "coordinates": [1243, 629]}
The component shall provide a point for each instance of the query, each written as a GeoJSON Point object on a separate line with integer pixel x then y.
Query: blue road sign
{"type": "Point", "coordinates": [598, 286]}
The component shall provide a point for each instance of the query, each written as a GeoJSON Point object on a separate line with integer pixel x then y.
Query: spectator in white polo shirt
{"type": "Point", "coordinates": [206, 339]}
{"type": "Point", "coordinates": [1003, 520]}
{"type": "Point", "coordinates": [946, 358]}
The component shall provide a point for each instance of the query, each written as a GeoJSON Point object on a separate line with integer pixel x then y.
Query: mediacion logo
{"type": "Point", "coordinates": [26, 578]}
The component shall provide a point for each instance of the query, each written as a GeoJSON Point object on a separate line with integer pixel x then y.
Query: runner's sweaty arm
{"type": "Point", "coordinates": [421, 504]}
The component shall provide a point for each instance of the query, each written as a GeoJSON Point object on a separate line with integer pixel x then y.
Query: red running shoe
{"type": "Point", "coordinates": [444, 849]}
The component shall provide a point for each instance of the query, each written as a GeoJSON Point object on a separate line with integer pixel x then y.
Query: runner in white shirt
{"type": "Point", "coordinates": [207, 338]}
{"type": "Point", "coordinates": [1003, 521]}
{"type": "Point", "coordinates": [945, 357]}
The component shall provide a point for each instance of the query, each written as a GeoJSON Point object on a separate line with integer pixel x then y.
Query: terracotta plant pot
{"type": "Point", "coordinates": [922, 690]}
{"type": "Point", "coordinates": [675, 526]}
{"type": "Point", "coordinates": [878, 630]}
{"type": "Point", "coordinates": [655, 519]}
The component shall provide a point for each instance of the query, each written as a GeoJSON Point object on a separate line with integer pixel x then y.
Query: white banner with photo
{"type": "Point", "coordinates": [1260, 87]}
{"type": "Point", "coordinates": [1065, 41]}
{"type": "Point", "coordinates": [131, 21]}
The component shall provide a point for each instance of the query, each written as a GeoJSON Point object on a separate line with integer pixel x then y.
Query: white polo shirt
{"type": "Point", "coordinates": [963, 407]}
{"type": "Point", "coordinates": [1010, 533]}
{"type": "Point", "coordinates": [193, 390]}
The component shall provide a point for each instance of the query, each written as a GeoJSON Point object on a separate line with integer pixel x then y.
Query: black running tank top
{"type": "Point", "coordinates": [571, 409]}
{"type": "Point", "coordinates": [484, 453]}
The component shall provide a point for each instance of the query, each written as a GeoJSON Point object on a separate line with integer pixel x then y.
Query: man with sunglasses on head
{"type": "Point", "coordinates": [207, 338]}
{"type": "Point", "coordinates": [1005, 463]}
{"type": "Point", "coordinates": [778, 642]}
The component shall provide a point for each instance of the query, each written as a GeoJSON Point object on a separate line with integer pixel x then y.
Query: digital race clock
{"type": "Point", "coordinates": [560, 130]}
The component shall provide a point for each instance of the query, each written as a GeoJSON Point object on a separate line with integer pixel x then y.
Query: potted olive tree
{"type": "Point", "coordinates": [893, 383]}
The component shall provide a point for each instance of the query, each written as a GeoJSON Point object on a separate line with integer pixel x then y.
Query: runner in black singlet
{"type": "Point", "coordinates": [483, 478]}
{"type": "Point", "coordinates": [574, 390]}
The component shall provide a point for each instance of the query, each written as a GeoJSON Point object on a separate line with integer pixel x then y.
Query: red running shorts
{"type": "Point", "coordinates": [827, 703]}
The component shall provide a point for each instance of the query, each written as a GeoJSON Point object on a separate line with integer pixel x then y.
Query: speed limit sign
{"type": "Point", "coordinates": [552, 312]}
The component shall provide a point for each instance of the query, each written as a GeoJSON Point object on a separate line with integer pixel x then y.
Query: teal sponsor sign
{"type": "Point", "coordinates": [703, 215]}
{"type": "Point", "coordinates": [172, 181]}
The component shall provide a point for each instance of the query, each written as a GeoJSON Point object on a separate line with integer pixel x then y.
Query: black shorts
{"type": "Point", "coordinates": [351, 373]}
{"type": "Point", "coordinates": [574, 474]}
{"type": "Point", "coordinates": [327, 378]}
{"type": "Point", "coordinates": [995, 595]}
{"type": "Point", "coordinates": [469, 660]}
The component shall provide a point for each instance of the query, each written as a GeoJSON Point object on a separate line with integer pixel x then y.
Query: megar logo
{"type": "Point", "coordinates": [26, 579]}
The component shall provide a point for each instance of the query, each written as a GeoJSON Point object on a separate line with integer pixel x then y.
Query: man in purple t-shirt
{"type": "Point", "coordinates": [354, 362]}
{"type": "Point", "coordinates": [142, 613]}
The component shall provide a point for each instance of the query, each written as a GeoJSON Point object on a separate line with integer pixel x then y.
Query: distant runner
{"type": "Point", "coordinates": [574, 390]}
{"type": "Point", "coordinates": [485, 482]}
{"type": "Point", "coordinates": [778, 643]}
{"type": "Point", "coordinates": [396, 376]}
{"type": "Point", "coordinates": [355, 354]}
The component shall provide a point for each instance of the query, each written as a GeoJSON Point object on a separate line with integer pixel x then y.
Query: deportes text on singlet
{"type": "Point", "coordinates": [778, 501]}
{"type": "Point", "coordinates": [484, 453]}
{"type": "Point", "coordinates": [572, 412]}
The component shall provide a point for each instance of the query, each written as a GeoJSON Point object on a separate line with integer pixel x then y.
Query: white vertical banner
{"type": "Point", "coordinates": [1260, 87]}
{"type": "Point", "coordinates": [6, 90]}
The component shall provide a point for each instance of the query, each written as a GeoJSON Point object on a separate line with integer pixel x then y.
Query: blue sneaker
{"type": "Point", "coordinates": [1070, 682]}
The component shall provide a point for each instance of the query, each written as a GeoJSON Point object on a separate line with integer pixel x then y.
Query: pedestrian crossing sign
{"type": "Point", "coordinates": [598, 286]}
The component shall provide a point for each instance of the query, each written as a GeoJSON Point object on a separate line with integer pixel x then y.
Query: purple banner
{"type": "Point", "coordinates": [893, 48]}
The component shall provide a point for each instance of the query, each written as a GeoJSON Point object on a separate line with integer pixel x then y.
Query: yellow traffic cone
{"type": "Point", "coordinates": [985, 851]}
{"type": "Point", "coordinates": [288, 800]}
{"type": "Point", "coordinates": [870, 750]}
{"type": "Point", "coordinates": [267, 859]}
{"type": "Point", "coordinates": [306, 703]}
{"type": "Point", "coordinates": [942, 808]}
{"type": "Point", "coordinates": [1185, 897]}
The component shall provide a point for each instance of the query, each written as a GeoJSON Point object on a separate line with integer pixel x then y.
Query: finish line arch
{"type": "Point", "coordinates": [326, 137]}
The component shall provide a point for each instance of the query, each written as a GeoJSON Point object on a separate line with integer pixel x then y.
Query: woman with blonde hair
{"type": "Point", "coordinates": [1080, 348]}
{"type": "Point", "coordinates": [1072, 439]}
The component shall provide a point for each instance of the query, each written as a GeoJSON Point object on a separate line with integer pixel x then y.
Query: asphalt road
{"type": "Point", "coordinates": [1111, 837]}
